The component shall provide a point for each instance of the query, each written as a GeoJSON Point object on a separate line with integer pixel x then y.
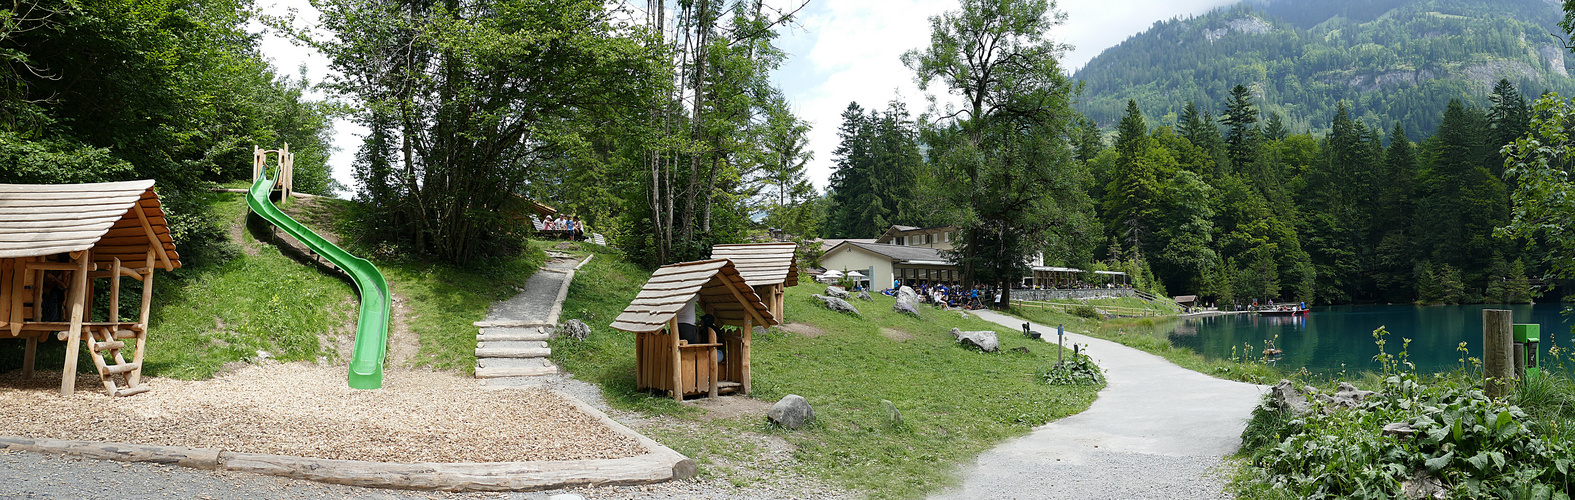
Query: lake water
{"type": "Point", "coordinates": [1330, 339]}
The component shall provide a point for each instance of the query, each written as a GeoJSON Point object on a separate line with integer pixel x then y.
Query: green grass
{"type": "Point", "coordinates": [1119, 306]}
{"type": "Point", "coordinates": [443, 299]}
{"type": "Point", "coordinates": [1139, 333]}
{"type": "Point", "coordinates": [956, 402]}
{"type": "Point", "coordinates": [225, 305]}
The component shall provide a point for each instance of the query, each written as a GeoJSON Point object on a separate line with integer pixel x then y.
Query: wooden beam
{"type": "Point", "coordinates": [18, 279]}
{"type": "Point", "coordinates": [748, 306]}
{"type": "Point", "coordinates": [68, 374]}
{"type": "Point", "coordinates": [142, 320]}
{"type": "Point", "coordinates": [749, 331]}
{"type": "Point", "coordinates": [114, 292]}
{"type": "Point", "coordinates": [29, 356]}
{"type": "Point", "coordinates": [711, 367]}
{"type": "Point", "coordinates": [677, 360]}
{"type": "Point", "coordinates": [153, 239]}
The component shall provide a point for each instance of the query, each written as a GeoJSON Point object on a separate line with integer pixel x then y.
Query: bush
{"type": "Point", "coordinates": [1475, 446]}
{"type": "Point", "coordinates": [1085, 312]}
{"type": "Point", "coordinates": [1080, 370]}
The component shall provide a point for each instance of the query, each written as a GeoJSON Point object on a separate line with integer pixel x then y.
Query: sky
{"type": "Point", "coordinates": [839, 51]}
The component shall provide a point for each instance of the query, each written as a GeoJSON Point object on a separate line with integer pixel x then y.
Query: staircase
{"type": "Point", "coordinates": [103, 340]}
{"type": "Point", "coordinates": [507, 354]}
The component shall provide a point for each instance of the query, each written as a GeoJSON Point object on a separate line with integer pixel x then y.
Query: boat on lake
{"type": "Point", "coordinates": [1283, 311]}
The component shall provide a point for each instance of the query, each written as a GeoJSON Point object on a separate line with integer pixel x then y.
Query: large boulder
{"type": "Point", "coordinates": [906, 294]}
{"type": "Point", "coordinates": [864, 296]}
{"type": "Point", "coordinates": [905, 308]}
{"type": "Point", "coordinates": [838, 292]}
{"type": "Point", "coordinates": [837, 304]}
{"type": "Point", "coordinates": [1347, 396]}
{"type": "Point", "coordinates": [984, 340]}
{"type": "Point", "coordinates": [574, 329]}
{"type": "Point", "coordinates": [1286, 397]}
{"type": "Point", "coordinates": [791, 412]}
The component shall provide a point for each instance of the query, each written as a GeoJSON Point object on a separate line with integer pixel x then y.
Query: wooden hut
{"type": "Point", "coordinates": [662, 360]}
{"type": "Point", "coordinates": [56, 242]}
{"type": "Point", "coordinates": [769, 268]}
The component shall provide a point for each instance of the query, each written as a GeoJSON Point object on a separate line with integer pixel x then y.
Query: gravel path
{"type": "Point", "coordinates": [306, 410]}
{"type": "Point", "coordinates": [1157, 431]}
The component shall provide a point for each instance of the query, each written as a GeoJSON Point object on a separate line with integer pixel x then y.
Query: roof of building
{"type": "Point", "coordinates": [116, 219]}
{"type": "Point", "coordinates": [718, 285]}
{"type": "Point", "coordinates": [897, 230]}
{"type": "Point", "coordinates": [902, 253]}
{"type": "Point", "coordinates": [1054, 269]}
{"type": "Point", "coordinates": [829, 243]}
{"type": "Point", "coordinates": [762, 263]}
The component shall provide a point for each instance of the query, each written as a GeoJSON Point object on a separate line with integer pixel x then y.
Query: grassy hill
{"type": "Point", "coordinates": [1390, 60]}
{"type": "Point", "coordinates": [955, 402]}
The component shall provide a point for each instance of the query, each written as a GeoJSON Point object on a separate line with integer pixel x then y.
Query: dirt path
{"type": "Point", "coordinates": [1156, 431]}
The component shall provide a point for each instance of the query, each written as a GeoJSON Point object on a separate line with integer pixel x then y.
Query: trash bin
{"type": "Point", "coordinates": [1529, 338]}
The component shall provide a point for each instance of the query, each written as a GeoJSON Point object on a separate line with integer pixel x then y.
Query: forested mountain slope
{"type": "Point", "coordinates": [1389, 60]}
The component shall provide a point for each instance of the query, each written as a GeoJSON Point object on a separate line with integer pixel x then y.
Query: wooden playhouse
{"type": "Point", "coordinates": [57, 243]}
{"type": "Point", "coordinates": [665, 362]}
{"type": "Point", "coordinates": [769, 268]}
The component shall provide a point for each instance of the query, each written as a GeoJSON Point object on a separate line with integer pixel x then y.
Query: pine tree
{"type": "Point", "coordinates": [1241, 134]}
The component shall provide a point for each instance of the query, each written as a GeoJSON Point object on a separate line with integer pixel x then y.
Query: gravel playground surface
{"type": "Point", "coordinates": [295, 407]}
{"type": "Point", "coordinates": [306, 410]}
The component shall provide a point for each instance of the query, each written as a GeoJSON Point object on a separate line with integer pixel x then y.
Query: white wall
{"type": "Point", "coordinates": [852, 258]}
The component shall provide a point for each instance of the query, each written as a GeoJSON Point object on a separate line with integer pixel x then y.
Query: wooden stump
{"type": "Point", "coordinates": [1497, 340]}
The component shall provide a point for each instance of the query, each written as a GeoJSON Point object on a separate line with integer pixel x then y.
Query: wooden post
{"type": "Point", "coordinates": [639, 360]}
{"type": "Point", "coordinates": [711, 367]}
{"type": "Point", "coordinates": [1497, 338]}
{"type": "Point", "coordinates": [744, 362]}
{"type": "Point", "coordinates": [18, 280]}
{"type": "Point", "coordinates": [135, 378]}
{"type": "Point", "coordinates": [114, 291]}
{"type": "Point", "coordinates": [29, 356]}
{"type": "Point", "coordinates": [68, 374]}
{"type": "Point", "coordinates": [677, 360]}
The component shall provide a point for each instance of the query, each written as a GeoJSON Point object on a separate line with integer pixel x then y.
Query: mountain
{"type": "Point", "coordinates": [1389, 60]}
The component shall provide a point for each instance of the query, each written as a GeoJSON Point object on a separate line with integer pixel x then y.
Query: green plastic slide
{"type": "Point", "coordinates": [371, 335]}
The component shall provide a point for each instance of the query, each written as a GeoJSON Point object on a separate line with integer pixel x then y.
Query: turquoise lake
{"type": "Point", "coordinates": [1330, 339]}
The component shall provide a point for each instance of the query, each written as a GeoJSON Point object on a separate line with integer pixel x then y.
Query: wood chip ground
{"type": "Point", "coordinates": [306, 410]}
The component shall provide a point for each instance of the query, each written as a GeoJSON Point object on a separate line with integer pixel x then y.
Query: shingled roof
{"type": "Point", "coordinates": [716, 281]}
{"type": "Point", "coordinates": [762, 263]}
{"type": "Point", "coordinates": [116, 219]}
{"type": "Point", "coordinates": [898, 253]}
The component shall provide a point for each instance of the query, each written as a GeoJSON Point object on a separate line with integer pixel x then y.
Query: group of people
{"type": "Point", "coordinates": [569, 225]}
{"type": "Point", "coordinates": [943, 295]}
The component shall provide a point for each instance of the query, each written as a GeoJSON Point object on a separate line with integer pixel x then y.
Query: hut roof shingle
{"type": "Point", "coordinates": [762, 263]}
{"type": "Point", "coordinates": [716, 281]}
{"type": "Point", "coordinates": [46, 219]}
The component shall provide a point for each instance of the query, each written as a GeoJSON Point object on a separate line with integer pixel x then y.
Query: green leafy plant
{"type": "Point", "coordinates": [1078, 370]}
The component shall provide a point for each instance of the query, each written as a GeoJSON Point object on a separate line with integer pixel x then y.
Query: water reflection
{"type": "Point", "coordinates": [1335, 338]}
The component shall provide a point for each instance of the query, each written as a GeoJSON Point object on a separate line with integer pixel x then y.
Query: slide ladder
{"type": "Point", "coordinates": [371, 336]}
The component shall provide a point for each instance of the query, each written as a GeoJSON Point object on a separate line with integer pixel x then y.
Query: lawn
{"type": "Point", "coordinates": [955, 402]}
{"type": "Point", "coordinates": [241, 299]}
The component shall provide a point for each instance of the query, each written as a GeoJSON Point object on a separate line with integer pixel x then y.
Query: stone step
{"type": "Point", "coordinates": [512, 334]}
{"type": "Point", "coordinates": [521, 371]}
{"type": "Point", "coordinates": [513, 352]}
{"type": "Point", "coordinates": [512, 362]}
{"type": "Point", "coordinates": [508, 323]}
{"type": "Point", "coordinates": [512, 344]}
{"type": "Point", "coordinates": [516, 382]}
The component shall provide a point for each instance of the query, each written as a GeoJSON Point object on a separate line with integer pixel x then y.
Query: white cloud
{"type": "Point", "coordinates": [288, 58]}
{"type": "Point", "coordinates": [849, 51]}
{"type": "Point", "coordinates": [841, 51]}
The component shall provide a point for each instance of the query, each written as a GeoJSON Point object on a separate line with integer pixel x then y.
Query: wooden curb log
{"type": "Point", "coordinates": [658, 464]}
